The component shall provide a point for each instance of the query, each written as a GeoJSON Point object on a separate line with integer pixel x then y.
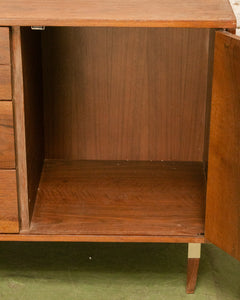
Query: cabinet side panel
{"type": "Point", "coordinates": [223, 190]}
{"type": "Point", "coordinates": [33, 107]}
{"type": "Point", "coordinates": [125, 93]}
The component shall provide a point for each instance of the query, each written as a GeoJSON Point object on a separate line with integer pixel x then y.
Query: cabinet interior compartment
{"type": "Point", "coordinates": [116, 123]}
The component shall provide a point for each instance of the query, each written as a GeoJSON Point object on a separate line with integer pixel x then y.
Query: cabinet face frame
{"type": "Point", "coordinates": [9, 222]}
{"type": "Point", "coordinates": [223, 185]}
{"type": "Point", "coordinates": [210, 233]}
{"type": "Point", "coordinates": [21, 99]}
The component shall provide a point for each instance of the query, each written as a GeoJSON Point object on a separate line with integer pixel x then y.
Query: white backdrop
{"type": "Point", "coordinates": [236, 9]}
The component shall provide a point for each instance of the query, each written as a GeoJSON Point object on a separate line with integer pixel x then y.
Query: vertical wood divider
{"type": "Point", "coordinates": [19, 120]}
{"type": "Point", "coordinates": [208, 96]}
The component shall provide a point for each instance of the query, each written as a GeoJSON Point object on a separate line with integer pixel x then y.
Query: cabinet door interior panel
{"type": "Point", "coordinates": [4, 46]}
{"type": "Point", "coordinates": [7, 148]}
{"type": "Point", "coordinates": [139, 95]}
{"type": "Point", "coordinates": [223, 192]}
{"type": "Point", "coordinates": [5, 82]}
{"type": "Point", "coordinates": [8, 202]}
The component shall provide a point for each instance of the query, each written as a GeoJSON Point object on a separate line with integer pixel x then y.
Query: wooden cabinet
{"type": "Point", "coordinates": [126, 123]}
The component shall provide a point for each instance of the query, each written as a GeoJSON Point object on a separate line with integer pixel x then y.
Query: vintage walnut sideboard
{"type": "Point", "coordinates": [120, 122]}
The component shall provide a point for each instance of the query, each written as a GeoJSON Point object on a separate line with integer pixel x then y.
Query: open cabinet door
{"type": "Point", "coordinates": [223, 188]}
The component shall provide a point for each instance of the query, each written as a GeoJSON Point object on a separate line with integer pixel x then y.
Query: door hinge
{"type": "Point", "coordinates": [38, 27]}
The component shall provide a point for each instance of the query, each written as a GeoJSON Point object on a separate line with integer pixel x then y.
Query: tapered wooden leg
{"type": "Point", "coordinates": [194, 253]}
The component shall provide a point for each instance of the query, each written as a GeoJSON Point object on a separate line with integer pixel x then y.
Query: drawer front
{"type": "Point", "coordinates": [7, 149]}
{"type": "Point", "coordinates": [8, 202]}
{"type": "Point", "coordinates": [4, 46]}
{"type": "Point", "coordinates": [5, 82]}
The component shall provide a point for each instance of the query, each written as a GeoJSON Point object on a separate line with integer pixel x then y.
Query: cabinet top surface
{"type": "Point", "coordinates": [136, 13]}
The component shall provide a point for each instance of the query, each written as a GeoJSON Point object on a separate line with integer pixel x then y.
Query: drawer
{"type": "Point", "coordinates": [4, 46]}
{"type": "Point", "coordinates": [7, 149]}
{"type": "Point", "coordinates": [8, 202]}
{"type": "Point", "coordinates": [5, 82]}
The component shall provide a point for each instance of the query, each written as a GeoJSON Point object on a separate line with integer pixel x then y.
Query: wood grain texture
{"type": "Point", "coordinates": [120, 198]}
{"type": "Point", "coordinates": [209, 96]}
{"type": "Point", "coordinates": [192, 274]}
{"type": "Point", "coordinates": [139, 95]}
{"type": "Point", "coordinates": [7, 147]}
{"type": "Point", "coordinates": [19, 118]}
{"type": "Point", "coordinates": [4, 46]}
{"type": "Point", "coordinates": [33, 109]}
{"type": "Point", "coordinates": [223, 192]}
{"type": "Point", "coordinates": [26, 236]}
{"type": "Point", "coordinates": [8, 202]}
{"type": "Point", "coordinates": [155, 13]}
{"type": "Point", "coordinates": [5, 82]}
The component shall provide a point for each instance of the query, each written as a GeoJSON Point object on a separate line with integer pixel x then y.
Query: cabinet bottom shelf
{"type": "Point", "coordinates": [120, 198]}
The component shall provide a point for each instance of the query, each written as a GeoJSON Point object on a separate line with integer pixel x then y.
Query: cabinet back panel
{"type": "Point", "coordinates": [125, 93]}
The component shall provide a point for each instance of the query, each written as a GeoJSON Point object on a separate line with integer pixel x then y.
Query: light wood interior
{"type": "Point", "coordinates": [112, 95]}
{"type": "Point", "coordinates": [119, 197]}
{"type": "Point", "coordinates": [125, 93]}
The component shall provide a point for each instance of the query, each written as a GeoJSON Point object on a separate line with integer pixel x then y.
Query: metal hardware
{"type": "Point", "coordinates": [194, 250]}
{"type": "Point", "coordinates": [38, 27]}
